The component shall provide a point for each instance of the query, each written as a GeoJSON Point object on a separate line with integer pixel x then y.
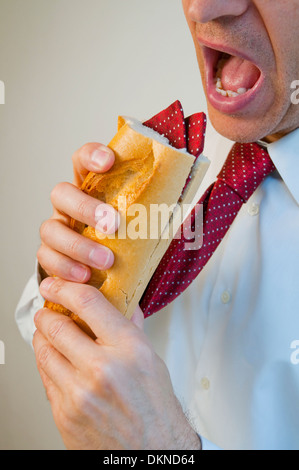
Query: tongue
{"type": "Point", "coordinates": [239, 73]}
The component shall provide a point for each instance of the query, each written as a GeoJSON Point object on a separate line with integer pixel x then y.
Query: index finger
{"type": "Point", "coordinates": [93, 157]}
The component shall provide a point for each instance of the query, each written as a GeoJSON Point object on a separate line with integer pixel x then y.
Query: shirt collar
{"type": "Point", "coordinates": [285, 155]}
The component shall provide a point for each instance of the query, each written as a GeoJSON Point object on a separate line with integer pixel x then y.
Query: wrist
{"type": "Point", "coordinates": [187, 437]}
{"type": "Point", "coordinates": [192, 441]}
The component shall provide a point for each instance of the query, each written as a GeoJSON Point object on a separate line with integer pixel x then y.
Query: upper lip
{"type": "Point", "coordinates": [219, 47]}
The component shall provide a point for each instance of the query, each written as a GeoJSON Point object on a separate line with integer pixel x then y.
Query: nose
{"type": "Point", "coordinates": [203, 11]}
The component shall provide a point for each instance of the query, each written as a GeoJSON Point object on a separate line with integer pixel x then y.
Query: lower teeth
{"type": "Point", "coordinates": [218, 82]}
{"type": "Point", "coordinates": [228, 93]}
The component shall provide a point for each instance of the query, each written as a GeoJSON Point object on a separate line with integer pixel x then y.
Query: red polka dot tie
{"type": "Point", "coordinates": [245, 169]}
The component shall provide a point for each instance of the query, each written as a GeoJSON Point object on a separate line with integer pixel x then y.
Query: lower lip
{"type": "Point", "coordinates": [228, 105]}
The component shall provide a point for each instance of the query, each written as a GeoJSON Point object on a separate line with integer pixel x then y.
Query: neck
{"type": "Point", "coordinates": [278, 135]}
{"type": "Point", "coordinates": [274, 137]}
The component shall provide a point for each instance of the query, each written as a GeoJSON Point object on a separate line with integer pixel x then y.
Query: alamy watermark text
{"type": "Point", "coordinates": [295, 354]}
{"type": "Point", "coordinates": [295, 94]}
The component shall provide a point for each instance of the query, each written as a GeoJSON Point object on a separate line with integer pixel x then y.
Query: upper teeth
{"type": "Point", "coordinates": [228, 93]}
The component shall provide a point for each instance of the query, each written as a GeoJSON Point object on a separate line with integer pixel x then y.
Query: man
{"type": "Point", "coordinates": [227, 341]}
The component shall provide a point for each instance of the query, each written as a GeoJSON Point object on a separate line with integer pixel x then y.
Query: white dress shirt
{"type": "Point", "coordinates": [227, 341]}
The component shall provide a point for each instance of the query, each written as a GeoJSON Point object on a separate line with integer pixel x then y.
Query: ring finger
{"type": "Point", "coordinates": [57, 264]}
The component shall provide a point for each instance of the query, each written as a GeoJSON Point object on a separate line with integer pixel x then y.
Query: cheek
{"type": "Point", "coordinates": [281, 19]}
{"type": "Point", "coordinates": [201, 65]}
{"type": "Point", "coordinates": [280, 82]}
{"type": "Point", "coordinates": [288, 69]}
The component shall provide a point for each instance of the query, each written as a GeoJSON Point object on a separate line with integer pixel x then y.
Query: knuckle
{"type": "Point", "coordinates": [80, 156]}
{"type": "Point", "coordinates": [57, 191]}
{"type": "Point", "coordinates": [141, 351]}
{"type": "Point", "coordinates": [103, 375]}
{"type": "Point", "coordinates": [39, 254]}
{"type": "Point", "coordinates": [43, 355]}
{"type": "Point", "coordinates": [74, 245]}
{"type": "Point", "coordinates": [87, 297]}
{"type": "Point", "coordinates": [77, 155]}
{"type": "Point", "coordinates": [81, 400]}
{"type": "Point", "coordinates": [82, 208]}
{"type": "Point", "coordinates": [57, 329]}
{"type": "Point", "coordinates": [56, 286]}
{"type": "Point", "coordinates": [44, 229]}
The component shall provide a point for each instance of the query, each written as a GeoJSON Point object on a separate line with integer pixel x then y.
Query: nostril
{"type": "Point", "coordinates": [206, 11]}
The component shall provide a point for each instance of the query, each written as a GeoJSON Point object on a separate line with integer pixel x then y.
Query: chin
{"type": "Point", "coordinates": [240, 129]}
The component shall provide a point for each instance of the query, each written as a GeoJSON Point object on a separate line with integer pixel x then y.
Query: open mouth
{"type": "Point", "coordinates": [234, 76]}
{"type": "Point", "coordinates": [233, 79]}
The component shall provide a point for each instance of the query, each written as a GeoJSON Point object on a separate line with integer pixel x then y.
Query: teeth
{"type": "Point", "coordinates": [219, 83]}
{"type": "Point", "coordinates": [222, 92]}
{"type": "Point", "coordinates": [231, 94]}
{"type": "Point", "coordinates": [228, 93]}
{"type": "Point", "coordinates": [219, 86]}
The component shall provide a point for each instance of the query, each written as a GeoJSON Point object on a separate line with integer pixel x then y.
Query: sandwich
{"type": "Point", "coordinates": [158, 163]}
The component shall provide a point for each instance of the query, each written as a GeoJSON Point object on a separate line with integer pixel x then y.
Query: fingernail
{"type": "Point", "coordinates": [79, 272]}
{"type": "Point", "coordinates": [107, 219]}
{"type": "Point", "coordinates": [102, 257]}
{"type": "Point", "coordinates": [46, 283]}
{"type": "Point", "coordinates": [101, 158]}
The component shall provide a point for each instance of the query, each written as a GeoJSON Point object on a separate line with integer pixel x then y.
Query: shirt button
{"type": "Point", "coordinates": [253, 209]}
{"type": "Point", "coordinates": [205, 383]}
{"type": "Point", "coordinates": [225, 297]}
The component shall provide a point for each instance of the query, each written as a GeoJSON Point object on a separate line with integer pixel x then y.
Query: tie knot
{"type": "Point", "coordinates": [246, 167]}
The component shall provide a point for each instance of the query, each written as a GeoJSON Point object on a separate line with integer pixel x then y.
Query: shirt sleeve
{"type": "Point", "coordinates": [207, 445]}
{"type": "Point", "coordinates": [30, 302]}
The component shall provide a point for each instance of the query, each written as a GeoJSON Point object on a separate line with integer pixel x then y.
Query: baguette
{"type": "Point", "coordinates": [147, 171]}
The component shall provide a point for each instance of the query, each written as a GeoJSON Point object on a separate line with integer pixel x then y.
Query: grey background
{"type": "Point", "coordinates": [70, 67]}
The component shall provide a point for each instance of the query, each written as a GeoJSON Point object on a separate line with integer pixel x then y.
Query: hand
{"type": "Point", "coordinates": [63, 252]}
{"type": "Point", "coordinates": [108, 394]}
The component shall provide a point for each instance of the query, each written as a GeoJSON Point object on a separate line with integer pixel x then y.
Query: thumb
{"type": "Point", "coordinates": [93, 157]}
{"type": "Point", "coordinates": [138, 318]}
